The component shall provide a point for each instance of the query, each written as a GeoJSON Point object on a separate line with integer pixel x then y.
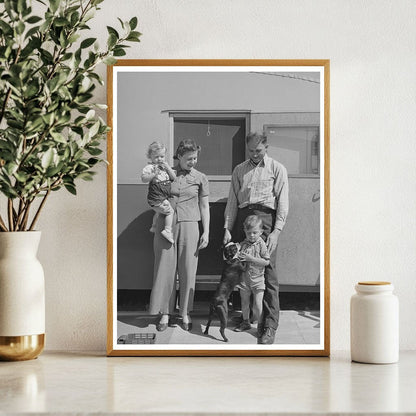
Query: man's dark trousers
{"type": "Point", "coordinates": [271, 305]}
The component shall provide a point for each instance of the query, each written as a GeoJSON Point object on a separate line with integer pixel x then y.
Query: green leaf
{"type": "Point", "coordinates": [5, 146]}
{"type": "Point", "coordinates": [11, 168]}
{"type": "Point", "coordinates": [134, 34]}
{"type": "Point", "coordinates": [54, 4]}
{"type": "Point", "coordinates": [63, 41]}
{"type": "Point", "coordinates": [73, 38]}
{"type": "Point", "coordinates": [119, 52]}
{"type": "Point", "coordinates": [67, 153]}
{"type": "Point", "coordinates": [133, 23]}
{"type": "Point", "coordinates": [35, 125]}
{"type": "Point", "coordinates": [31, 32]}
{"type": "Point", "coordinates": [20, 28]}
{"type": "Point", "coordinates": [7, 29]}
{"type": "Point", "coordinates": [53, 84]}
{"type": "Point", "coordinates": [94, 129]}
{"type": "Point", "coordinates": [74, 18]}
{"type": "Point", "coordinates": [89, 15]}
{"type": "Point", "coordinates": [94, 151]}
{"type": "Point", "coordinates": [46, 56]}
{"type": "Point", "coordinates": [87, 42]}
{"type": "Point", "coordinates": [52, 171]}
{"type": "Point", "coordinates": [10, 7]}
{"type": "Point", "coordinates": [121, 22]}
{"type": "Point", "coordinates": [27, 12]}
{"type": "Point", "coordinates": [61, 21]}
{"type": "Point", "coordinates": [82, 98]}
{"type": "Point", "coordinates": [21, 5]}
{"type": "Point", "coordinates": [58, 137]}
{"type": "Point", "coordinates": [92, 161]}
{"type": "Point", "coordinates": [90, 115]}
{"type": "Point", "coordinates": [70, 188]}
{"type": "Point", "coordinates": [21, 177]}
{"type": "Point", "coordinates": [31, 90]}
{"type": "Point", "coordinates": [67, 56]}
{"type": "Point", "coordinates": [16, 124]}
{"type": "Point", "coordinates": [86, 176]}
{"type": "Point", "coordinates": [82, 166]}
{"type": "Point", "coordinates": [110, 61]}
{"type": "Point", "coordinates": [112, 41]}
{"type": "Point", "coordinates": [33, 19]}
{"type": "Point", "coordinates": [47, 158]}
{"type": "Point", "coordinates": [133, 37]}
{"type": "Point", "coordinates": [48, 118]}
{"type": "Point", "coordinates": [112, 31]}
{"type": "Point", "coordinates": [8, 190]}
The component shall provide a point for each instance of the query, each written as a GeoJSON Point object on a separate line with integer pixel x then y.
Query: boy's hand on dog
{"type": "Point", "coordinates": [245, 257]}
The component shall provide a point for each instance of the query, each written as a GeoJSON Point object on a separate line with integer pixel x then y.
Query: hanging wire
{"type": "Point", "coordinates": [209, 129]}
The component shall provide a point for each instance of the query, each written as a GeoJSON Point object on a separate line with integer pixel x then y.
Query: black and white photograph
{"type": "Point", "coordinates": [218, 210]}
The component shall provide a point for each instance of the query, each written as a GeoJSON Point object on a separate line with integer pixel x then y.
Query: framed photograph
{"type": "Point", "coordinates": [218, 208]}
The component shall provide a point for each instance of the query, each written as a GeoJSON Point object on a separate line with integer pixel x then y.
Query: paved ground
{"type": "Point", "coordinates": [296, 327]}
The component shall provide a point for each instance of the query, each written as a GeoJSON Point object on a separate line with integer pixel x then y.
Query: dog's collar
{"type": "Point", "coordinates": [236, 254]}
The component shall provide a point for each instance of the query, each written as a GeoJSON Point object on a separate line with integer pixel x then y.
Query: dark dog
{"type": "Point", "coordinates": [230, 278]}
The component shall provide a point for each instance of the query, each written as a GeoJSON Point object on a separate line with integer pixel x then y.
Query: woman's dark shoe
{"type": "Point", "coordinates": [187, 326]}
{"type": "Point", "coordinates": [186, 323]}
{"type": "Point", "coordinates": [172, 322]}
{"type": "Point", "coordinates": [161, 327]}
{"type": "Point", "coordinates": [163, 323]}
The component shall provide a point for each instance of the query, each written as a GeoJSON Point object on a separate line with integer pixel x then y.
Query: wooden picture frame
{"type": "Point", "coordinates": [219, 102]}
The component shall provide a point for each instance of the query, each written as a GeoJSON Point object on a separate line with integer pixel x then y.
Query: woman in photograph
{"type": "Point", "coordinates": [190, 204]}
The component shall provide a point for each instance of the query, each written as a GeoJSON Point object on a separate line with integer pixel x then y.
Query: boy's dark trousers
{"type": "Point", "coordinates": [271, 304]}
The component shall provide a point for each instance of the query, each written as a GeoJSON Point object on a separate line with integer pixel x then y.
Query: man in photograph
{"type": "Point", "coordinates": [259, 186]}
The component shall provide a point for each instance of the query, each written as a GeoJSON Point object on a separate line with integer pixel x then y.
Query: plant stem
{"type": "Point", "coordinates": [3, 109]}
{"type": "Point", "coordinates": [18, 216]}
{"type": "Point", "coordinates": [26, 216]}
{"type": "Point", "coordinates": [10, 213]}
{"type": "Point", "coordinates": [39, 209]}
{"type": "Point", "coordinates": [20, 213]}
{"type": "Point", "coordinates": [2, 224]}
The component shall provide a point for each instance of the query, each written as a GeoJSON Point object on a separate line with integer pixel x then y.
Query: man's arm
{"type": "Point", "coordinates": [281, 192]}
{"type": "Point", "coordinates": [231, 208]}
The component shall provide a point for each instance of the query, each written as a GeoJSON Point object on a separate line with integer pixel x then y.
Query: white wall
{"type": "Point", "coordinates": [373, 146]}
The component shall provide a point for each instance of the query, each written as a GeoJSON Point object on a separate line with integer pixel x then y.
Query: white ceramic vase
{"type": "Point", "coordinates": [22, 296]}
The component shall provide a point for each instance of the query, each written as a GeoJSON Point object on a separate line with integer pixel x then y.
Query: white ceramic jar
{"type": "Point", "coordinates": [374, 323]}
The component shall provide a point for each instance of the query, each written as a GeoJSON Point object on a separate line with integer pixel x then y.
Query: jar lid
{"type": "Point", "coordinates": [373, 283]}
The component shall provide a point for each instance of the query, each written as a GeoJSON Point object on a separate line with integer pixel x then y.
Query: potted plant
{"type": "Point", "coordinates": [50, 137]}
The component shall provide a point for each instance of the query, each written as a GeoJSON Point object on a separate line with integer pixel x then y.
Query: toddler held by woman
{"type": "Point", "coordinates": [159, 175]}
